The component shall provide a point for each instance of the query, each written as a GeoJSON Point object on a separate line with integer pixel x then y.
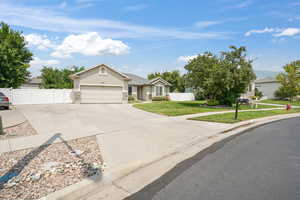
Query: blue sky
{"type": "Point", "coordinates": [143, 36]}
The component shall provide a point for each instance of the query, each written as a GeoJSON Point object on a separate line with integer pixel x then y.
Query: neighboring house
{"type": "Point", "coordinates": [33, 83]}
{"type": "Point", "coordinates": [143, 89]}
{"type": "Point", "coordinates": [103, 84]}
{"type": "Point", "coordinates": [250, 91]}
{"type": "Point", "coordinates": [267, 86]}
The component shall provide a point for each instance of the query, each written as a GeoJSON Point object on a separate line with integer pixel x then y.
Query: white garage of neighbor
{"type": "Point", "coordinates": [100, 84]}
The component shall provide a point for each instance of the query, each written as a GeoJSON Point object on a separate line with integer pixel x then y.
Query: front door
{"type": "Point", "coordinates": [140, 93]}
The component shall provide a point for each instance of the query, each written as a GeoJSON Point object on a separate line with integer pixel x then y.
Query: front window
{"type": "Point", "coordinates": [159, 90]}
{"type": "Point", "coordinates": [102, 71]}
{"type": "Point", "coordinates": [130, 90]}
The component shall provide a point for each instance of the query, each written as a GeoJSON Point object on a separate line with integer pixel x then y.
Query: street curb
{"type": "Point", "coordinates": [211, 144]}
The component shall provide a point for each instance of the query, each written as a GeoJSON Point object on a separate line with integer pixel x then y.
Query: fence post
{"type": "Point", "coordinates": [11, 92]}
{"type": "Point", "coordinates": [1, 126]}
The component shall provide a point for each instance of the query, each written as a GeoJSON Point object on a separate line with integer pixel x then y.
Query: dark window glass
{"type": "Point", "coordinates": [129, 90]}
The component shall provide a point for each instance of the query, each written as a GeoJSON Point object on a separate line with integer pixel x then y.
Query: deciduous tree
{"type": "Point", "coordinates": [58, 78]}
{"type": "Point", "coordinates": [290, 81]}
{"type": "Point", "coordinates": [14, 58]}
{"type": "Point", "coordinates": [221, 77]}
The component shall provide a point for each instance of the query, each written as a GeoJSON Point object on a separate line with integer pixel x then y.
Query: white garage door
{"type": "Point", "coordinates": [101, 94]}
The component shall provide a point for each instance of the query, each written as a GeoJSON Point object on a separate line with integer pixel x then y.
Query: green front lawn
{"type": "Point", "coordinates": [176, 108]}
{"type": "Point", "coordinates": [282, 102]}
{"type": "Point", "coordinates": [242, 116]}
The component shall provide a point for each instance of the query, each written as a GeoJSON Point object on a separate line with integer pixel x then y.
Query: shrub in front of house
{"type": "Point", "coordinates": [131, 98]}
{"type": "Point", "coordinates": [160, 98]}
{"type": "Point", "coordinates": [213, 102]}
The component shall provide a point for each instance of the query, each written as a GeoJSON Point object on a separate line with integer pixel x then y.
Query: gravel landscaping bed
{"type": "Point", "coordinates": [24, 129]}
{"type": "Point", "coordinates": [34, 173]}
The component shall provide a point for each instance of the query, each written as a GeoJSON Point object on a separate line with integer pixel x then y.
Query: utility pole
{"type": "Point", "coordinates": [236, 109]}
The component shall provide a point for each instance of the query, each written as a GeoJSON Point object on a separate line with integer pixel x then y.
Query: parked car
{"type": "Point", "coordinates": [244, 101]}
{"type": "Point", "coordinates": [4, 101]}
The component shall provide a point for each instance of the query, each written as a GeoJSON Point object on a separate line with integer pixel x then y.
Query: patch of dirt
{"type": "Point", "coordinates": [36, 172]}
{"type": "Point", "coordinates": [24, 129]}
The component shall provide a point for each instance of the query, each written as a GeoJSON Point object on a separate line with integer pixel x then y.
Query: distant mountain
{"type": "Point", "coordinates": [264, 73]}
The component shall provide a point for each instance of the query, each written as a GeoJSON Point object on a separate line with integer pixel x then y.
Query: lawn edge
{"type": "Point", "coordinates": [248, 120]}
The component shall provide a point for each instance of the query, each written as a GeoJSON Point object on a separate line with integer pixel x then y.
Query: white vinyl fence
{"type": "Point", "coordinates": [38, 96]}
{"type": "Point", "coordinates": [181, 96]}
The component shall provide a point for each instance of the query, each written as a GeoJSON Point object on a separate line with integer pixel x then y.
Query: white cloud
{"type": "Point", "coordinates": [266, 30]}
{"type": "Point", "coordinates": [288, 32]}
{"type": "Point", "coordinates": [276, 32]}
{"type": "Point", "coordinates": [39, 41]}
{"type": "Point", "coordinates": [242, 4]}
{"type": "Point", "coordinates": [136, 7]}
{"type": "Point", "coordinates": [186, 58]}
{"type": "Point", "coordinates": [90, 44]}
{"type": "Point", "coordinates": [38, 63]}
{"type": "Point", "coordinates": [54, 20]}
{"type": "Point", "coordinates": [204, 24]}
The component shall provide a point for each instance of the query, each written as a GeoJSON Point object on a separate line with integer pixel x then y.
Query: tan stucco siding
{"type": "Point", "coordinates": [134, 91]}
{"type": "Point", "coordinates": [76, 83]}
{"type": "Point", "coordinates": [165, 89]}
{"type": "Point", "coordinates": [102, 82]}
{"type": "Point", "coordinates": [94, 77]}
{"type": "Point", "coordinates": [146, 93]}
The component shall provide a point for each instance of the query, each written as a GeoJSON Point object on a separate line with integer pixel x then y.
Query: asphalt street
{"type": "Point", "coordinates": [263, 163]}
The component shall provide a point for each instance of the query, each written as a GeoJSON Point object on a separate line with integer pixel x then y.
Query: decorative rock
{"type": "Point", "coordinates": [49, 165]}
{"type": "Point", "coordinates": [9, 185]}
{"type": "Point", "coordinates": [52, 170]}
{"type": "Point", "coordinates": [96, 166]}
{"type": "Point", "coordinates": [76, 152]}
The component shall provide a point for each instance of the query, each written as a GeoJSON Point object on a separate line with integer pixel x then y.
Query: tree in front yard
{"type": "Point", "coordinates": [221, 77]}
{"type": "Point", "coordinates": [173, 77]}
{"type": "Point", "coordinates": [290, 81]}
{"type": "Point", "coordinates": [14, 58]}
{"type": "Point", "coordinates": [258, 93]}
{"type": "Point", "coordinates": [54, 78]}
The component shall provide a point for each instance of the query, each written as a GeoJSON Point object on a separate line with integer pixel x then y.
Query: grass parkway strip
{"type": "Point", "coordinates": [242, 116]}
{"type": "Point", "coordinates": [177, 108]}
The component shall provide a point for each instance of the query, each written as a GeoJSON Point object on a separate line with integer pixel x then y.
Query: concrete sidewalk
{"type": "Point", "coordinates": [279, 105]}
{"type": "Point", "coordinates": [11, 117]}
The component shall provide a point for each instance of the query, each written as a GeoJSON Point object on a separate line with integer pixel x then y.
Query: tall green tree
{"type": "Point", "coordinates": [54, 78]}
{"type": "Point", "coordinates": [221, 77]}
{"type": "Point", "coordinates": [173, 77]}
{"type": "Point", "coordinates": [14, 58]}
{"type": "Point", "coordinates": [290, 81]}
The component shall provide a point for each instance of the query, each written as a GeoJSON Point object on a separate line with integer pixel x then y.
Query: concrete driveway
{"type": "Point", "coordinates": [84, 118]}
{"type": "Point", "coordinates": [128, 137]}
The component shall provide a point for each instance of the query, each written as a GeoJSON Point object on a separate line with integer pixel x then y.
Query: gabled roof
{"type": "Point", "coordinates": [266, 80]}
{"type": "Point", "coordinates": [157, 79]}
{"type": "Point", "coordinates": [34, 80]}
{"type": "Point", "coordinates": [136, 80]}
{"type": "Point", "coordinates": [98, 66]}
